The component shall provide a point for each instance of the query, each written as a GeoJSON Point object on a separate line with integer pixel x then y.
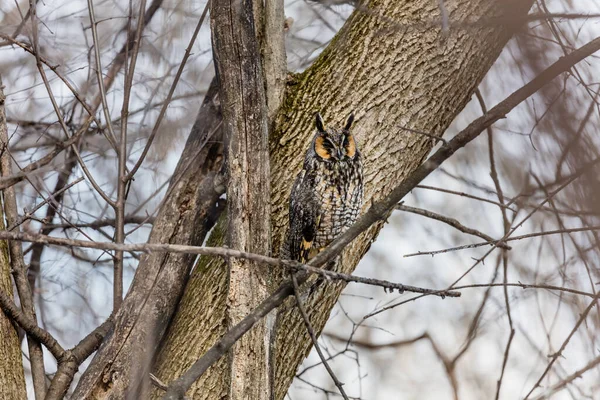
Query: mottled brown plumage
{"type": "Point", "coordinates": [327, 194]}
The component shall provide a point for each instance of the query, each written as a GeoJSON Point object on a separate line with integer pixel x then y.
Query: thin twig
{"type": "Point", "coordinates": [527, 286]}
{"type": "Point", "coordinates": [98, 69]}
{"type": "Point", "coordinates": [450, 221]}
{"type": "Point", "coordinates": [504, 360]}
{"type": "Point", "coordinates": [470, 196]}
{"type": "Point", "coordinates": [564, 382]}
{"type": "Point", "coordinates": [165, 104]}
{"type": "Point", "coordinates": [51, 198]}
{"type": "Point", "coordinates": [313, 337]}
{"type": "Point", "coordinates": [122, 177]}
{"type": "Point", "coordinates": [376, 346]}
{"type": "Point", "coordinates": [99, 223]}
{"type": "Point", "coordinates": [485, 285]}
{"type": "Point", "coordinates": [506, 227]}
{"type": "Point", "coordinates": [555, 356]}
{"type": "Point", "coordinates": [429, 135]}
{"type": "Point", "coordinates": [12, 179]}
{"type": "Point", "coordinates": [497, 243]}
{"type": "Point", "coordinates": [54, 68]}
{"type": "Point", "coordinates": [158, 383]}
{"type": "Point", "coordinates": [221, 252]}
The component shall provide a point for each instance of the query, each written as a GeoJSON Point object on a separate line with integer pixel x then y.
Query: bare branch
{"type": "Point", "coordinates": [498, 243]}
{"type": "Point", "coordinates": [470, 196]}
{"type": "Point", "coordinates": [167, 101]}
{"type": "Point", "coordinates": [450, 221]}
{"type": "Point", "coordinates": [555, 356]}
{"type": "Point", "coordinates": [221, 252]}
{"type": "Point", "coordinates": [129, 219]}
{"type": "Point", "coordinates": [569, 379]}
{"type": "Point", "coordinates": [51, 198]}
{"type": "Point", "coordinates": [30, 326]}
{"type": "Point", "coordinates": [313, 337]}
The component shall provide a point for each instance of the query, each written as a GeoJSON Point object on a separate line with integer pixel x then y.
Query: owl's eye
{"type": "Point", "coordinates": [328, 145]}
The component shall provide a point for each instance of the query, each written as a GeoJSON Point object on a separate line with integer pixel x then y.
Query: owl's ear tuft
{"type": "Point", "coordinates": [349, 122]}
{"type": "Point", "coordinates": [319, 123]}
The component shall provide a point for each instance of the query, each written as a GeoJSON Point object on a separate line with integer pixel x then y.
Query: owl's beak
{"type": "Point", "coordinates": [339, 154]}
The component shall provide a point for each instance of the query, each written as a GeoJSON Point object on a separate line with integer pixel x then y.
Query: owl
{"type": "Point", "coordinates": [327, 194]}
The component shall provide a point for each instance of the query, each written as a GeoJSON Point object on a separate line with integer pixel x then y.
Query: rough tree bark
{"type": "Point", "coordinates": [270, 28]}
{"type": "Point", "coordinates": [237, 56]}
{"type": "Point", "coordinates": [12, 377]}
{"type": "Point", "coordinates": [394, 67]}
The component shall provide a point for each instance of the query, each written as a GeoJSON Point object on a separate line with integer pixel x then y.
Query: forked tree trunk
{"type": "Point", "coordinates": [394, 67]}
{"type": "Point", "coordinates": [12, 379]}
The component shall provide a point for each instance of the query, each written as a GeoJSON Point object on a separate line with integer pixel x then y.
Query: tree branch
{"type": "Point", "coordinates": [449, 221]}
{"type": "Point", "coordinates": [500, 243]}
{"type": "Point", "coordinates": [313, 338]}
{"type": "Point", "coordinates": [224, 253]}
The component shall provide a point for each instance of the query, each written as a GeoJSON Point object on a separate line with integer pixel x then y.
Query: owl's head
{"type": "Point", "coordinates": [334, 144]}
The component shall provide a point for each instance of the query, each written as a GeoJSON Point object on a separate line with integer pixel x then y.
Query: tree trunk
{"type": "Point", "coordinates": [394, 67]}
{"type": "Point", "coordinates": [237, 57]}
{"type": "Point", "coordinates": [12, 378]}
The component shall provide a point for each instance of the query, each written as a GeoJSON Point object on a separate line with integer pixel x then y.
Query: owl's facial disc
{"type": "Point", "coordinates": [334, 146]}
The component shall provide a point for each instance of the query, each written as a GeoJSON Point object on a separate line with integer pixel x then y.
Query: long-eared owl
{"type": "Point", "coordinates": [327, 194]}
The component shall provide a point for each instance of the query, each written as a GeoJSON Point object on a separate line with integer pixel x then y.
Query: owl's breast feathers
{"type": "Point", "coordinates": [325, 200]}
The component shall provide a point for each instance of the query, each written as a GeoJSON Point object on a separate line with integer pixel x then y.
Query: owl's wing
{"type": "Point", "coordinates": [304, 217]}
